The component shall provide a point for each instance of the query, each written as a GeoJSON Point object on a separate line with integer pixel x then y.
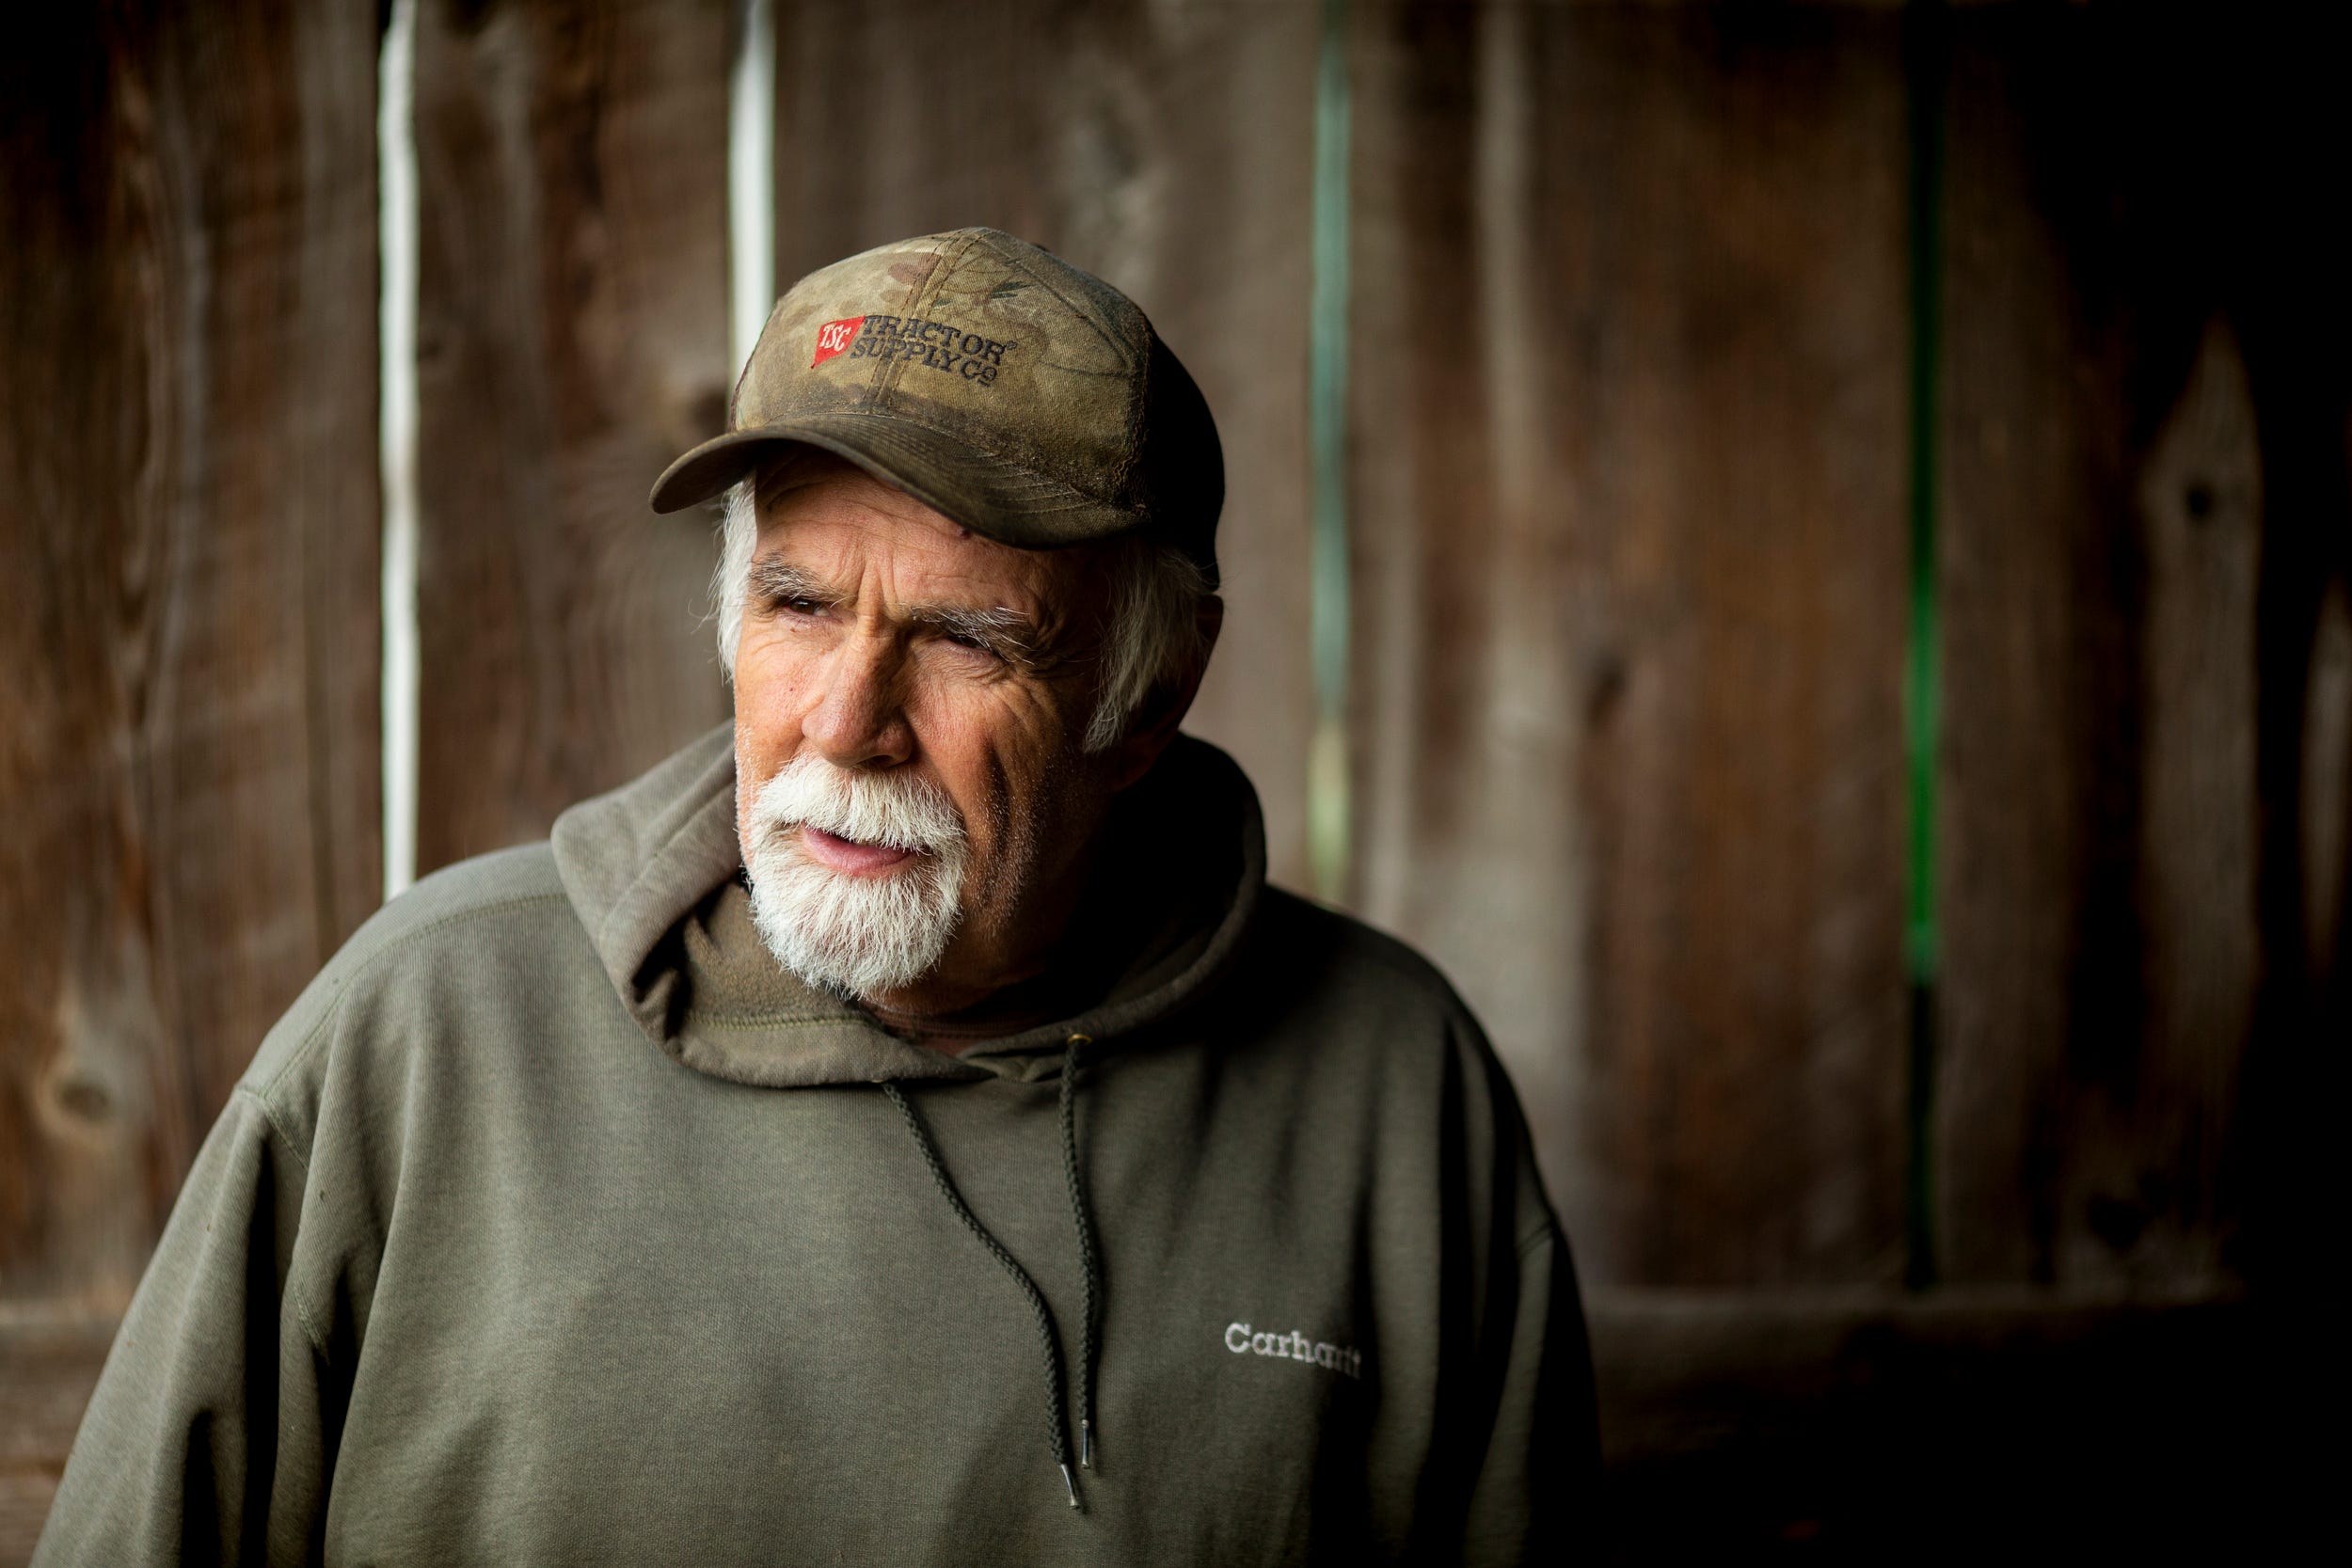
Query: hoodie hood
{"type": "Point", "coordinates": [654, 872]}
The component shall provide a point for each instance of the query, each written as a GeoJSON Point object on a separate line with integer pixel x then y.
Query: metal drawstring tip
{"type": "Point", "coordinates": [1086, 1445]}
{"type": "Point", "coordinates": [1069, 1482]}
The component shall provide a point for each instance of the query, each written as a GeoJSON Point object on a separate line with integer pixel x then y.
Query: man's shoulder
{"type": "Point", "coordinates": [1324, 958]}
{"type": "Point", "coordinates": [489, 899]}
{"type": "Point", "coordinates": [479, 917]}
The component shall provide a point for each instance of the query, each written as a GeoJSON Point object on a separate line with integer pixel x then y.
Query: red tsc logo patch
{"type": "Point", "coordinates": [834, 337]}
{"type": "Point", "coordinates": [939, 345]}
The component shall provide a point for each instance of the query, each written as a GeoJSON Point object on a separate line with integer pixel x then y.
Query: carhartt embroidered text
{"type": "Point", "coordinates": [1242, 1340]}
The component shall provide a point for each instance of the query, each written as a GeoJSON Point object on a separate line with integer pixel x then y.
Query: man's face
{"type": "Point", "coordinates": [923, 692]}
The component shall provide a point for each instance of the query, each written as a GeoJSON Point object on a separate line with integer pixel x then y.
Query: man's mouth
{"type": "Point", "coordinates": [847, 855]}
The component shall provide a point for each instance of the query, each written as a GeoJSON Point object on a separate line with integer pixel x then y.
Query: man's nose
{"type": "Point", "coordinates": [859, 718]}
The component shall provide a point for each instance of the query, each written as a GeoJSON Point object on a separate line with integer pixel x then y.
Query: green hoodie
{"type": "Point", "coordinates": [556, 1224]}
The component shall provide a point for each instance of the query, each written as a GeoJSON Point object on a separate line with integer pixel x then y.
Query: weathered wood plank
{"type": "Point", "coordinates": [188, 762]}
{"type": "Point", "coordinates": [49, 1364]}
{"type": "Point", "coordinates": [1629, 501]}
{"type": "Point", "coordinates": [1165, 148]}
{"type": "Point", "coordinates": [2104, 525]}
{"type": "Point", "coordinates": [572, 322]}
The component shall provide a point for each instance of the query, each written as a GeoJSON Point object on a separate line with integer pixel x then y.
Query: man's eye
{"type": "Point", "coordinates": [965, 640]}
{"type": "Point", "coordinates": [800, 607]}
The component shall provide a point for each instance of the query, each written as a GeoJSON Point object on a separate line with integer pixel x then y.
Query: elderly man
{"type": "Point", "coordinates": [902, 1129]}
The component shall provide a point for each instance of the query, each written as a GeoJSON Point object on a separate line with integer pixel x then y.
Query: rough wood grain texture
{"type": "Point", "coordinates": [1165, 148]}
{"type": "Point", "coordinates": [2113, 528]}
{"type": "Point", "coordinates": [1628, 503]}
{"type": "Point", "coordinates": [188, 766]}
{"type": "Point", "coordinates": [49, 1363]}
{"type": "Point", "coordinates": [572, 322]}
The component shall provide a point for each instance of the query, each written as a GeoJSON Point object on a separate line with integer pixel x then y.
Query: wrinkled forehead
{"type": "Point", "coordinates": [828, 515]}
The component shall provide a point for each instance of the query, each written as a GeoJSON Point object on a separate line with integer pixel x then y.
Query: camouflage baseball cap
{"type": "Point", "coordinates": [988, 379]}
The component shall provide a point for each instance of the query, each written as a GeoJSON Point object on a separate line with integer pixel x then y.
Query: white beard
{"type": "Point", "coordinates": [856, 935]}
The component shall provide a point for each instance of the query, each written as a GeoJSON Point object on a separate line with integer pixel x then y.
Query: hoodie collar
{"type": "Point", "coordinates": [653, 871]}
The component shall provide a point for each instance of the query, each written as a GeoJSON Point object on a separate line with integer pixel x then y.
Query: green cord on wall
{"type": "Point", "coordinates": [1925, 68]}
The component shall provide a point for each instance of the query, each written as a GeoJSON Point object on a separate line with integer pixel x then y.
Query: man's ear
{"type": "Point", "coordinates": [1154, 724]}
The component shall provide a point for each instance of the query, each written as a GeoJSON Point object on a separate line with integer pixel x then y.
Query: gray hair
{"type": "Point", "coordinates": [1151, 637]}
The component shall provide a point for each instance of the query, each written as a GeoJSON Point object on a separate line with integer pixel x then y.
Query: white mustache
{"type": "Point", "coordinates": [895, 810]}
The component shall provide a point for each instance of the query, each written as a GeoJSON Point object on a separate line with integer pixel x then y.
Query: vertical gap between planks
{"type": "Point", "coordinates": [750, 178]}
{"type": "Point", "coordinates": [1925, 67]}
{"type": "Point", "coordinates": [1327, 830]}
{"type": "Point", "coordinates": [396, 415]}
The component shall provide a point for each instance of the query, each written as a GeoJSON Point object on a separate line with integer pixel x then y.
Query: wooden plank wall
{"type": "Point", "coordinates": [1628, 469]}
{"type": "Point", "coordinates": [1628, 492]}
{"type": "Point", "coordinates": [2137, 534]}
{"type": "Point", "coordinates": [188, 764]}
{"type": "Point", "coordinates": [571, 339]}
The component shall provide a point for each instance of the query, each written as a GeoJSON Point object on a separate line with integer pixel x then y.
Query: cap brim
{"type": "Point", "coordinates": [990, 495]}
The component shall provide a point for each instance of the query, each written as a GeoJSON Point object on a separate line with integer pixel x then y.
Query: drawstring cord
{"type": "Point", "coordinates": [1088, 1269]}
{"type": "Point", "coordinates": [1056, 1429]}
